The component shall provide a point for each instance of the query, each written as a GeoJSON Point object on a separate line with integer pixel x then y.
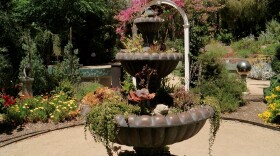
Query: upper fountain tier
{"type": "Point", "coordinates": [148, 24]}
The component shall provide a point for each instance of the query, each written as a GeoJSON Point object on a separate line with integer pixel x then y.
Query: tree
{"type": "Point", "coordinates": [9, 45]}
{"type": "Point", "coordinates": [91, 20]}
{"type": "Point", "coordinates": [274, 9]}
{"type": "Point", "coordinates": [244, 17]}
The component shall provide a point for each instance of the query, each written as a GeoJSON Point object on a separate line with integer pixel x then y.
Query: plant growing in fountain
{"type": "Point", "coordinates": [103, 119]}
{"type": "Point", "coordinates": [133, 44]}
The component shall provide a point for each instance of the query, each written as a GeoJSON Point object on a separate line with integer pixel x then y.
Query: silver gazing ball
{"type": "Point", "coordinates": [243, 67]}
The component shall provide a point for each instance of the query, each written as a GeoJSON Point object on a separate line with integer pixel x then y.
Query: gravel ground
{"type": "Point", "coordinates": [247, 113]}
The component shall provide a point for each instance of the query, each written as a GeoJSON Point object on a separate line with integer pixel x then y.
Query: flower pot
{"type": "Point", "coordinates": [155, 132]}
{"type": "Point", "coordinates": [164, 63]}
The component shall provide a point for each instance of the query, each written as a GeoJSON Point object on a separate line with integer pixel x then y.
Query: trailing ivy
{"type": "Point", "coordinates": [214, 121]}
{"type": "Point", "coordinates": [100, 121]}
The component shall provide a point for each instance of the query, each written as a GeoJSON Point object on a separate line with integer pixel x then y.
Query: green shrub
{"type": "Point", "coordinates": [65, 86]}
{"type": "Point", "coordinates": [216, 82]}
{"type": "Point", "coordinates": [275, 64]}
{"type": "Point", "coordinates": [226, 89]}
{"type": "Point", "coordinates": [271, 34]}
{"type": "Point", "coordinates": [211, 65]}
{"type": "Point", "coordinates": [83, 89]}
{"type": "Point", "coordinates": [177, 44]}
{"type": "Point", "coordinates": [269, 49]}
{"type": "Point", "coordinates": [274, 82]}
{"type": "Point", "coordinates": [225, 37]}
{"type": "Point", "coordinates": [5, 67]}
{"type": "Point", "coordinates": [246, 46]}
{"type": "Point", "coordinates": [127, 84]}
{"type": "Point", "coordinates": [67, 71]}
{"type": "Point", "coordinates": [16, 114]}
{"type": "Point", "coordinates": [273, 27]}
{"type": "Point", "coordinates": [1, 105]}
{"type": "Point", "coordinates": [41, 84]}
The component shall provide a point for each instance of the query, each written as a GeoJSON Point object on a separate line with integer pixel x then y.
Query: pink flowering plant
{"type": "Point", "coordinates": [127, 15]}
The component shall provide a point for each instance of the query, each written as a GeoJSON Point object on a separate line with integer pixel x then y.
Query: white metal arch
{"type": "Point", "coordinates": [186, 34]}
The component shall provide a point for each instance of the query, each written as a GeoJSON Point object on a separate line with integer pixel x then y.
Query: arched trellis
{"type": "Point", "coordinates": [186, 34]}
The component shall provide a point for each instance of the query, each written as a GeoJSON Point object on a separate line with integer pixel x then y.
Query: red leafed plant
{"type": "Point", "coordinates": [140, 95]}
{"type": "Point", "coordinates": [8, 100]}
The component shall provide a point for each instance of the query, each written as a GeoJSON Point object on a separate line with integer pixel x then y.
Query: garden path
{"type": "Point", "coordinates": [234, 138]}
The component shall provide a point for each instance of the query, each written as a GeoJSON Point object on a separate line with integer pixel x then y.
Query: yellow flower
{"type": "Point", "coordinates": [267, 114]}
{"type": "Point", "coordinates": [272, 106]}
{"type": "Point", "coordinates": [273, 96]}
{"type": "Point", "coordinates": [57, 110]}
{"type": "Point", "coordinates": [277, 88]}
{"type": "Point", "coordinates": [52, 116]}
{"type": "Point", "coordinates": [71, 101]}
{"type": "Point", "coordinates": [31, 111]}
{"type": "Point", "coordinates": [267, 98]}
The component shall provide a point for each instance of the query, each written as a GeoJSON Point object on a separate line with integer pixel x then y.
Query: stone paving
{"type": "Point", "coordinates": [233, 139]}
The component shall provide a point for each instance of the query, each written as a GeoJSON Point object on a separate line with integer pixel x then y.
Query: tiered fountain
{"type": "Point", "coordinates": [164, 63]}
{"type": "Point", "coordinates": [149, 134]}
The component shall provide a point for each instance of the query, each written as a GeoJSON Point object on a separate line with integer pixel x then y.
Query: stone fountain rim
{"type": "Point", "coordinates": [148, 56]}
{"type": "Point", "coordinates": [148, 19]}
{"type": "Point", "coordinates": [171, 120]}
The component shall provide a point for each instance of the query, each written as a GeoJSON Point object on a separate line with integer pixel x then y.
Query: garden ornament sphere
{"type": "Point", "coordinates": [243, 67]}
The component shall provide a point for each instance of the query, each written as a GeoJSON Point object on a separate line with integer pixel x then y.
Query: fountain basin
{"type": "Point", "coordinates": [158, 131]}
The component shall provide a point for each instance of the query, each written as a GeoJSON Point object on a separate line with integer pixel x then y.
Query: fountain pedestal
{"type": "Point", "coordinates": [27, 86]}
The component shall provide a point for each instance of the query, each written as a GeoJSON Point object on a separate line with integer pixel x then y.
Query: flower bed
{"type": "Point", "coordinates": [272, 114]}
{"type": "Point", "coordinates": [57, 108]}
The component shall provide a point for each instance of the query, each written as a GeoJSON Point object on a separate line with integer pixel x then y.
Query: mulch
{"type": "Point", "coordinates": [247, 113]}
